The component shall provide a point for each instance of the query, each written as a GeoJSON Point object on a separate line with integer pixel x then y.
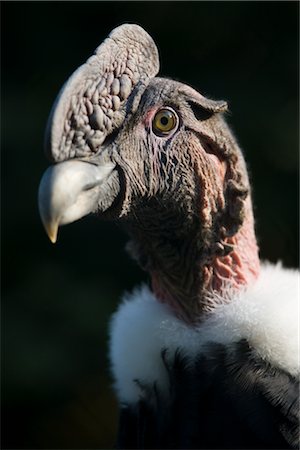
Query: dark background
{"type": "Point", "coordinates": [57, 300]}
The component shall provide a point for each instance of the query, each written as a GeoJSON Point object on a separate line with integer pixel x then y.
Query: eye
{"type": "Point", "coordinates": [165, 121]}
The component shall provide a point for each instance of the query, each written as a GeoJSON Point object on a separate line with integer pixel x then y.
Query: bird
{"type": "Point", "coordinates": [207, 354]}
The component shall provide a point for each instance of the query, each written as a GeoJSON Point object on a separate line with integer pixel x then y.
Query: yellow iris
{"type": "Point", "coordinates": [165, 120]}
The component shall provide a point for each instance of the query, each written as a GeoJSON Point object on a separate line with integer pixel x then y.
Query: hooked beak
{"type": "Point", "coordinates": [69, 191]}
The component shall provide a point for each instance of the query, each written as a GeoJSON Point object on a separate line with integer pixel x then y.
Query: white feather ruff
{"type": "Point", "coordinates": [266, 314]}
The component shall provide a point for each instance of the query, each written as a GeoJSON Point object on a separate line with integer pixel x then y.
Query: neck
{"type": "Point", "coordinates": [184, 273]}
{"type": "Point", "coordinates": [235, 271]}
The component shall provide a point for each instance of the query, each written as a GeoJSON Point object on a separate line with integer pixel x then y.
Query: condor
{"type": "Point", "coordinates": [207, 356]}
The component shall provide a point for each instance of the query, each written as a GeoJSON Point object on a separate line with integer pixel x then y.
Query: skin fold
{"type": "Point", "coordinates": [183, 196]}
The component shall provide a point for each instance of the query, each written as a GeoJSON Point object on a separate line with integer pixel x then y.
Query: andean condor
{"type": "Point", "coordinates": [207, 357]}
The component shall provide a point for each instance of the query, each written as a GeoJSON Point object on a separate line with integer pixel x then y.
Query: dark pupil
{"type": "Point", "coordinates": [164, 120]}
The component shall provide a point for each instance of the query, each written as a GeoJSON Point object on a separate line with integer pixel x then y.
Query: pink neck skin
{"type": "Point", "coordinates": [239, 268]}
{"type": "Point", "coordinates": [223, 276]}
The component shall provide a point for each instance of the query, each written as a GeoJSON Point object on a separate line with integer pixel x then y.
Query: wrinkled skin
{"type": "Point", "coordinates": [183, 196]}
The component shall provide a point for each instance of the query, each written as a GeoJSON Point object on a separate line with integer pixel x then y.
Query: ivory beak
{"type": "Point", "coordinates": [68, 191]}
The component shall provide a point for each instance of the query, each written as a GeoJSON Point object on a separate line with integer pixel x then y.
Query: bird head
{"type": "Point", "coordinates": [150, 152]}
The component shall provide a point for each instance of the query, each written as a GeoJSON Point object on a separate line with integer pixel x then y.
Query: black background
{"type": "Point", "coordinates": [57, 300]}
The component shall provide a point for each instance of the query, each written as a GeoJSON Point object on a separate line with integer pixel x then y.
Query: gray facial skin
{"type": "Point", "coordinates": [182, 195]}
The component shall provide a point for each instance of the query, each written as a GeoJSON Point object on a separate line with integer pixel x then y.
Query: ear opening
{"type": "Point", "coordinates": [202, 107]}
{"type": "Point", "coordinates": [200, 112]}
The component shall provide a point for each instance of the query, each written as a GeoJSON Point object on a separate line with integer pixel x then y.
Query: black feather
{"type": "Point", "coordinates": [226, 398]}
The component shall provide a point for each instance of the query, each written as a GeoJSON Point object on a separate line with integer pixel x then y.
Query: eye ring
{"type": "Point", "coordinates": [164, 122]}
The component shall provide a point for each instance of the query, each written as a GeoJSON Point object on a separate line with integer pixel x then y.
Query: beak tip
{"type": "Point", "coordinates": [53, 239]}
{"type": "Point", "coordinates": [51, 230]}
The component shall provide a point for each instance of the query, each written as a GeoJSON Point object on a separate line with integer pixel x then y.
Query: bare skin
{"type": "Point", "coordinates": [183, 194]}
